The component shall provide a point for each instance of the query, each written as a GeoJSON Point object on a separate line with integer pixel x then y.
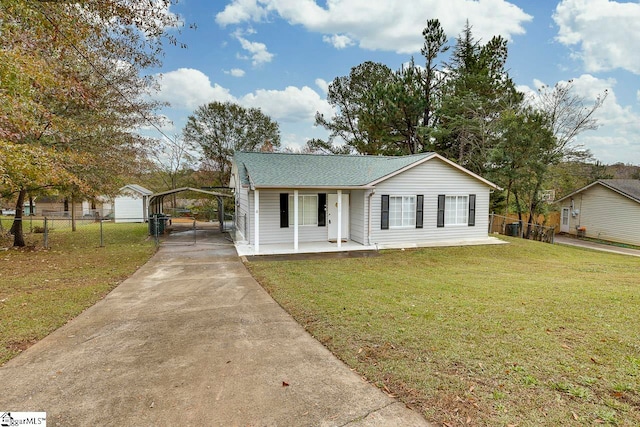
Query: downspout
{"type": "Point", "coordinates": [373, 191]}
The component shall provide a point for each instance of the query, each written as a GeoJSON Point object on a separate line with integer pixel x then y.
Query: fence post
{"type": "Point", "coordinates": [46, 233]}
{"type": "Point", "coordinates": [194, 231]}
{"type": "Point", "coordinates": [155, 229]}
{"type": "Point", "coordinates": [101, 235]}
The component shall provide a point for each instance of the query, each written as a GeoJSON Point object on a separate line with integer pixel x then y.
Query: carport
{"type": "Point", "coordinates": [156, 201]}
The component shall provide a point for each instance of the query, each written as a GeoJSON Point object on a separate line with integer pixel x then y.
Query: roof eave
{"type": "Point", "coordinates": [586, 187]}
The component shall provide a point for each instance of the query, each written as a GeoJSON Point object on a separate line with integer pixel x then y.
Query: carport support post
{"type": "Point", "coordinates": [194, 231]}
{"type": "Point", "coordinates": [339, 218]}
{"type": "Point", "coordinates": [256, 221]}
{"type": "Point", "coordinates": [295, 220]}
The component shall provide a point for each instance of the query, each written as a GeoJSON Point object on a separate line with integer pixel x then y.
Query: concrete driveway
{"type": "Point", "coordinates": [572, 241]}
{"type": "Point", "coordinates": [191, 339]}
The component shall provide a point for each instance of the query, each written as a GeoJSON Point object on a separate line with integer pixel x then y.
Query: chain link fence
{"type": "Point", "coordinates": [43, 231]}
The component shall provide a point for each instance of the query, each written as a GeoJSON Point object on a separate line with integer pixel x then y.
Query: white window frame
{"type": "Point", "coordinates": [301, 210]}
{"type": "Point", "coordinates": [456, 210]}
{"type": "Point", "coordinates": [407, 216]}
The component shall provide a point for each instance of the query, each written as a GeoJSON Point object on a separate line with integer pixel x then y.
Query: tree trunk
{"type": "Point", "coordinates": [73, 212]}
{"type": "Point", "coordinates": [16, 228]}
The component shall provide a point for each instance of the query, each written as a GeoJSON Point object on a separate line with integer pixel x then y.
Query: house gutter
{"type": "Point", "coordinates": [373, 191]}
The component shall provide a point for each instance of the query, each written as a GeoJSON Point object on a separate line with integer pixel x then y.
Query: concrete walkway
{"type": "Point", "coordinates": [192, 340]}
{"type": "Point", "coordinates": [572, 241]}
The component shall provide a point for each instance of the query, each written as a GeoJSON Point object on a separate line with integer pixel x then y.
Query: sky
{"type": "Point", "coordinates": [281, 55]}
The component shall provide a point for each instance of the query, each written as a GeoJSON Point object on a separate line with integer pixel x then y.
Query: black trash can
{"type": "Point", "coordinates": [513, 229]}
{"type": "Point", "coordinates": [157, 223]}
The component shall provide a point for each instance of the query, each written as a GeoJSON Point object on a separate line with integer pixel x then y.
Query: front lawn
{"type": "Point", "coordinates": [523, 334]}
{"type": "Point", "coordinates": [41, 290]}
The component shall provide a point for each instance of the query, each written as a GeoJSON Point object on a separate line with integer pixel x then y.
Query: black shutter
{"type": "Point", "coordinates": [441, 198]}
{"type": "Point", "coordinates": [284, 210]}
{"type": "Point", "coordinates": [419, 209]}
{"type": "Point", "coordinates": [322, 209]}
{"type": "Point", "coordinates": [472, 210]}
{"type": "Point", "coordinates": [384, 216]}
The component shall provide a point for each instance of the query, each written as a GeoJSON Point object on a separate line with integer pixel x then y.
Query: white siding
{"type": "Point", "coordinates": [244, 218]}
{"type": "Point", "coordinates": [430, 179]}
{"type": "Point", "coordinates": [270, 231]}
{"type": "Point", "coordinates": [357, 217]}
{"type": "Point", "coordinates": [129, 208]}
{"type": "Point", "coordinates": [606, 215]}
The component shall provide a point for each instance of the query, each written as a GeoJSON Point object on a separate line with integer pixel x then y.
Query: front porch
{"type": "Point", "coordinates": [246, 249]}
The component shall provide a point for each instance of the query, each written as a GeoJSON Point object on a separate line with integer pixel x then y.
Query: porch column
{"type": "Point", "coordinates": [256, 221]}
{"type": "Point", "coordinates": [339, 218]}
{"type": "Point", "coordinates": [295, 220]}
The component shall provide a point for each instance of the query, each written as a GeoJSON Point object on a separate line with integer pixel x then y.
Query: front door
{"type": "Point", "coordinates": [332, 217]}
{"type": "Point", "coordinates": [564, 221]}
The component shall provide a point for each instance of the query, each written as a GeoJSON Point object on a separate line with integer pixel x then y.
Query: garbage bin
{"type": "Point", "coordinates": [157, 223]}
{"type": "Point", "coordinates": [513, 229]}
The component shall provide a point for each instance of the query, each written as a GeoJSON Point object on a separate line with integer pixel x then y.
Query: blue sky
{"type": "Point", "coordinates": [280, 55]}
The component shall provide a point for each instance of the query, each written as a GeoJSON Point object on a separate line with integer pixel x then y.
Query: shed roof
{"type": "Point", "coordinates": [627, 187]}
{"type": "Point", "coordinates": [138, 189]}
{"type": "Point", "coordinates": [287, 170]}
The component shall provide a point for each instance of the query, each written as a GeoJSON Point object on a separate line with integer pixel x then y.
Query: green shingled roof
{"type": "Point", "coordinates": [311, 170]}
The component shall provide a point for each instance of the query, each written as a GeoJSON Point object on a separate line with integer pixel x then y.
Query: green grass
{"type": "Point", "coordinates": [523, 334]}
{"type": "Point", "coordinates": [41, 290]}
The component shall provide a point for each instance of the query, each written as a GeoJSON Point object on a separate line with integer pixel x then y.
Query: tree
{"type": "Point", "coordinates": [476, 90]}
{"type": "Point", "coordinates": [220, 129]}
{"type": "Point", "coordinates": [172, 159]}
{"type": "Point", "coordinates": [359, 120]}
{"type": "Point", "coordinates": [569, 115]}
{"type": "Point", "coordinates": [68, 102]}
{"type": "Point", "coordinates": [435, 41]}
{"type": "Point", "coordinates": [522, 156]}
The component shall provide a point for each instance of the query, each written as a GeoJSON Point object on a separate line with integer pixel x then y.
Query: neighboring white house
{"type": "Point", "coordinates": [336, 202]}
{"type": "Point", "coordinates": [608, 209]}
{"type": "Point", "coordinates": [132, 204]}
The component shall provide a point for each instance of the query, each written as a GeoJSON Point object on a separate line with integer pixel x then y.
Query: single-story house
{"type": "Point", "coordinates": [303, 202]}
{"type": "Point", "coordinates": [607, 209]}
{"type": "Point", "coordinates": [59, 206]}
{"type": "Point", "coordinates": [132, 204]}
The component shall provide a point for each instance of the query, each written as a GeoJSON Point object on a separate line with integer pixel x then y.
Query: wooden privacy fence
{"type": "Point", "coordinates": [510, 226]}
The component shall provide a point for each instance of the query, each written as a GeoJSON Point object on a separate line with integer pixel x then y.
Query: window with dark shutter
{"type": "Point", "coordinates": [384, 216]}
{"type": "Point", "coordinates": [284, 210]}
{"type": "Point", "coordinates": [472, 210]}
{"type": "Point", "coordinates": [322, 209]}
{"type": "Point", "coordinates": [441, 199]}
{"type": "Point", "coordinates": [419, 210]}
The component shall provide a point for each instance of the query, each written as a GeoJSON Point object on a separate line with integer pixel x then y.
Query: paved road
{"type": "Point", "coordinates": [572, 241]}
{"type": "Point", "coordinates": [192, 340]}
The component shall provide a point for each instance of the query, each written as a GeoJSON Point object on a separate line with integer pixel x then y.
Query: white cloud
{"type": "Point", "coordinates": [290, 105]}
{"type": "Point", "coordinates": [258, 51]}
{"type": "Point", "coordinates": [187, 88]}
{"type": "Point", "coordinates": [324, 86]}
{"type": "Point", "coordinates": [235, 72]}
{"type": "Point", "coordinates": [383, 24]}
{"type": "Point", "coordinates": [605, 31]}
{"type": "Point", "coordinates": [241, 11]}
{"type": "Point", "coordinates": [338, 41]}
{"type": "Point", "coordinates": [618, 134]}
{"type": "Point", "coordinates": [638, 95]}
